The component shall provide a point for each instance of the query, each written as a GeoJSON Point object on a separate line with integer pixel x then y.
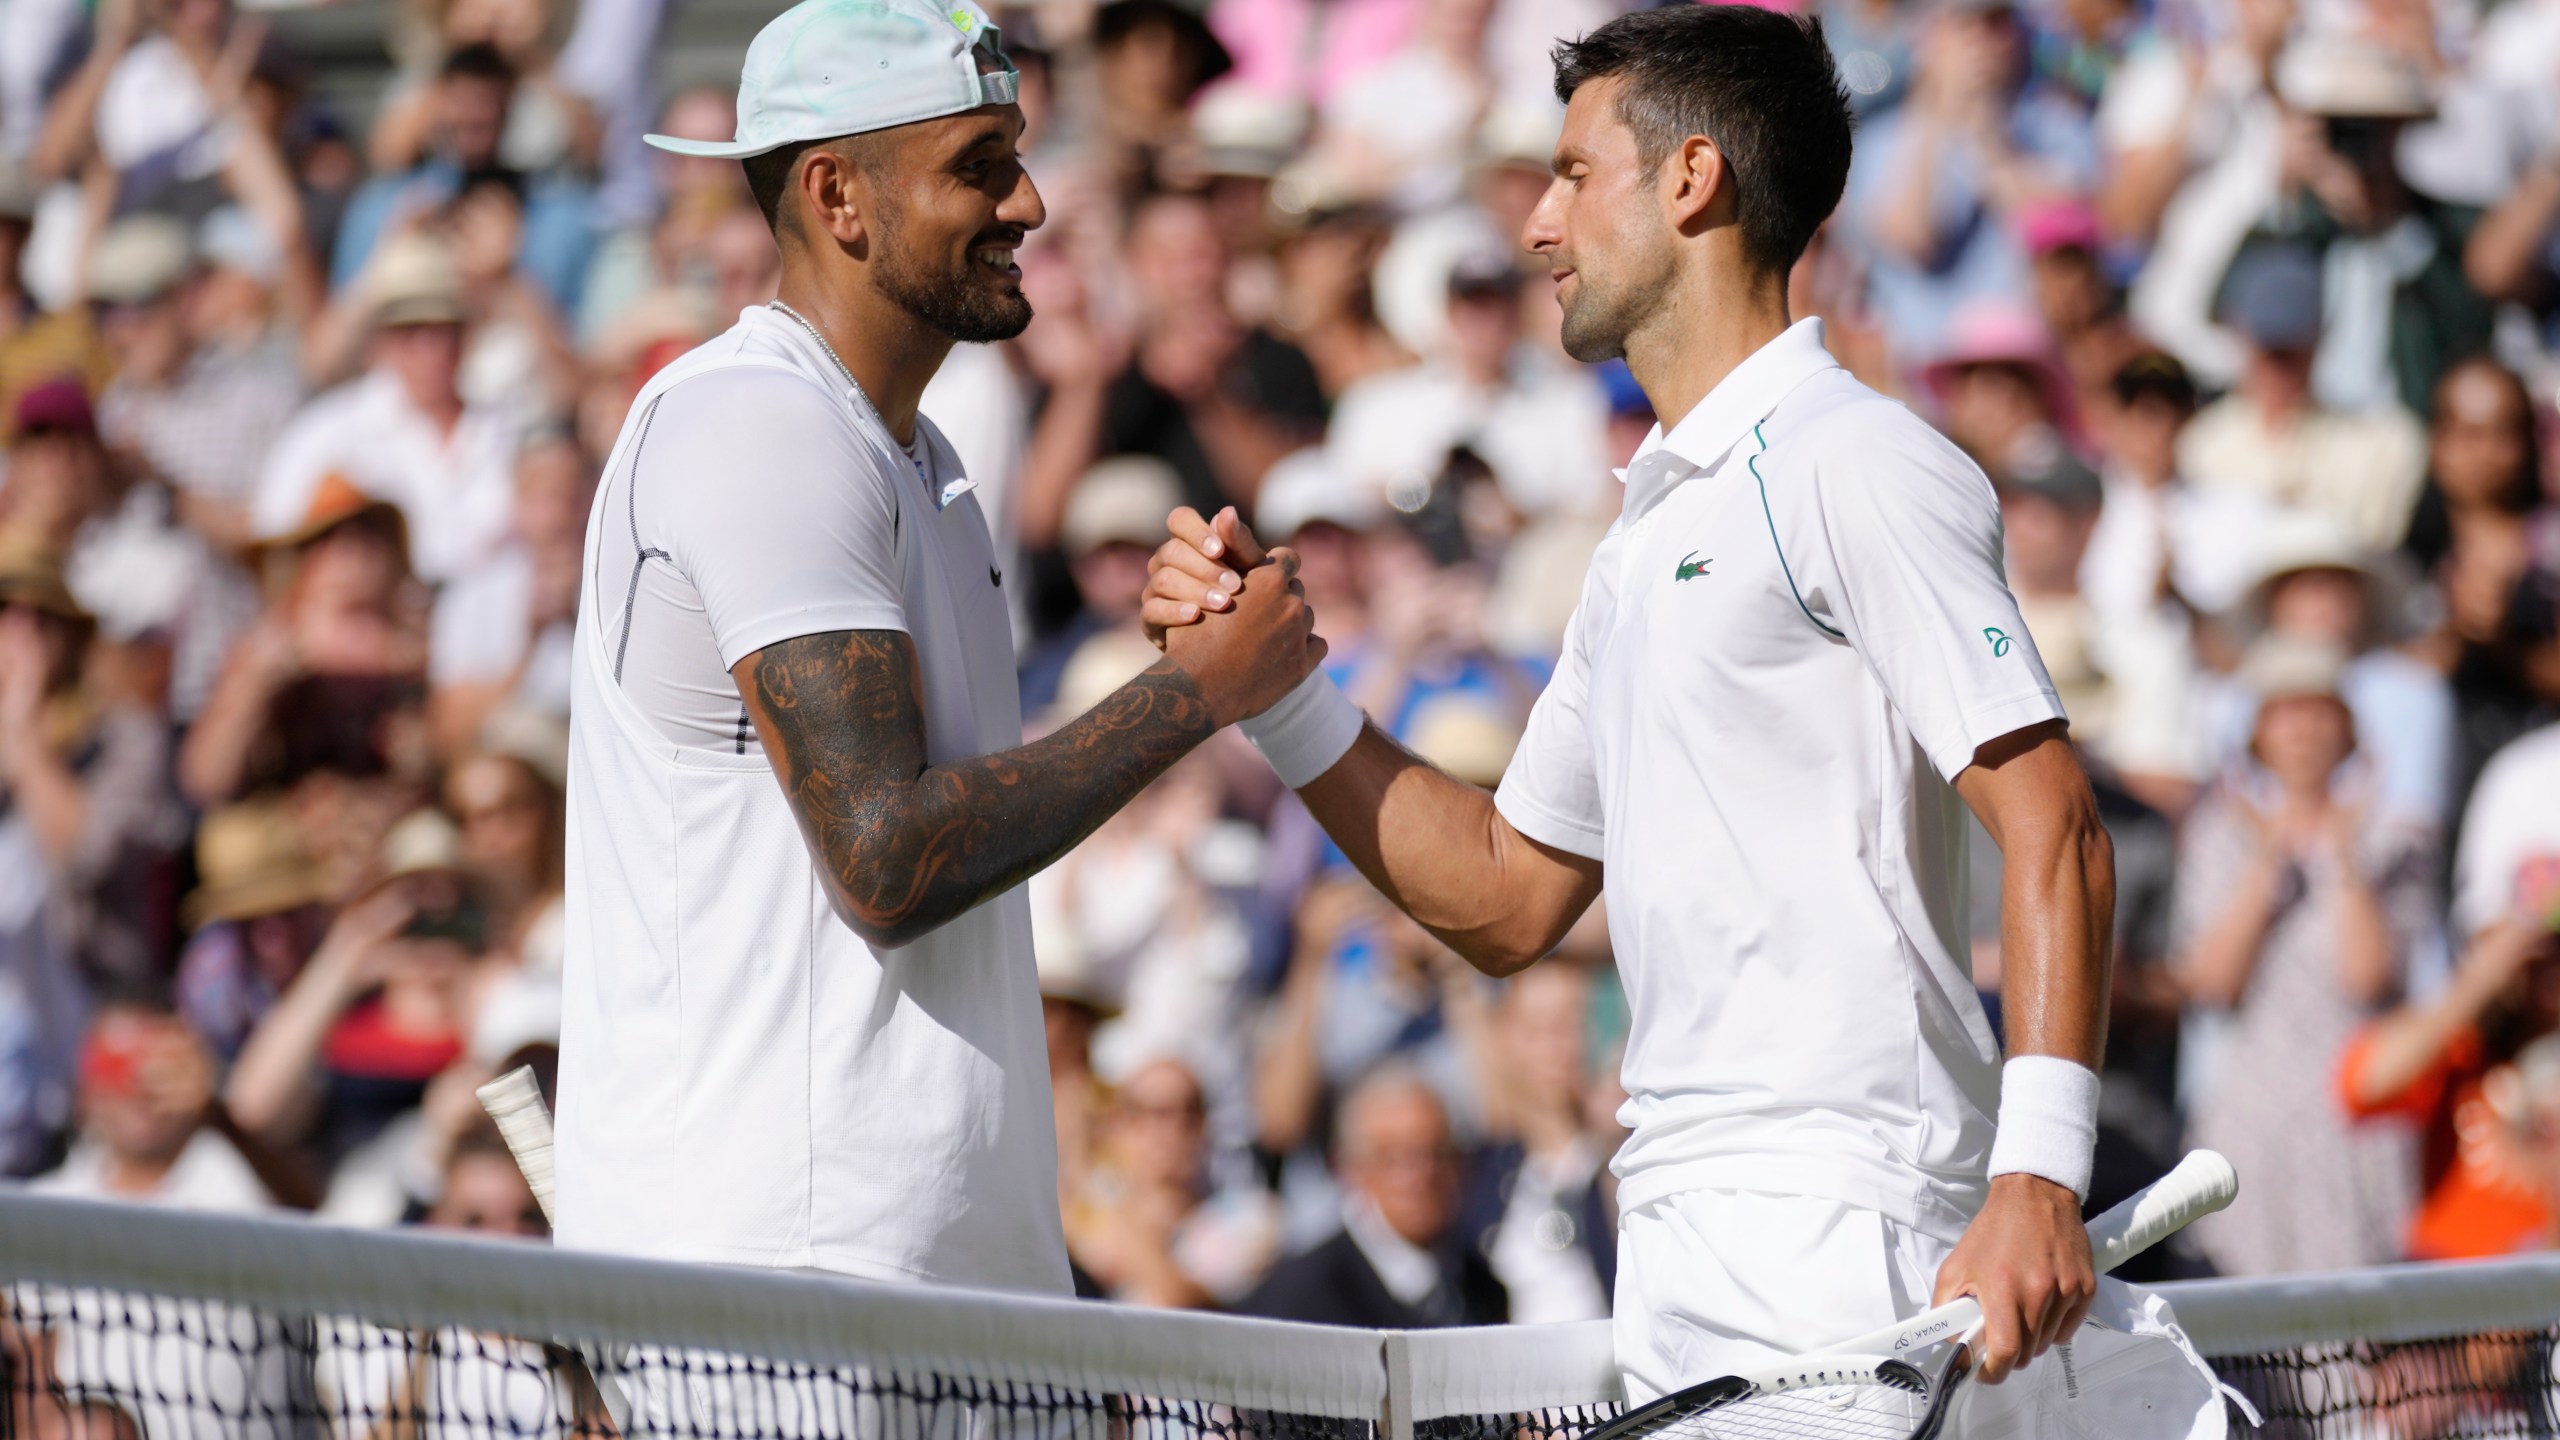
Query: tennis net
{"type": "Point", "coordinates": [120, 1324]}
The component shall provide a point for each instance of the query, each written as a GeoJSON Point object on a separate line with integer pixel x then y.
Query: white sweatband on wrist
{"type": "Point", "coordinates": [1311, 727]}
{"type": "Point", "coordinates": [2048, 1121]}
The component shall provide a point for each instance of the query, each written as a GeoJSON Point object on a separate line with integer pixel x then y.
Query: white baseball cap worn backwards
{"type": "Point", "coordinates": [825, 68]}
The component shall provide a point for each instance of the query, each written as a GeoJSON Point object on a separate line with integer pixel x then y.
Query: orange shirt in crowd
{"type": "Point", "coordinates": [2483, 1196]}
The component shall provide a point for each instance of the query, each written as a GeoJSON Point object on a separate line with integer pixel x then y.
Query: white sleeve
{"type": "Point", "coordinates": [763, 495]}
{"type": "Point", "coordinates": [301, 455]}
{"type": "Point", "coordinates": [1551, 793]}
{"type": "Point", "coordinates": [1915, 550]}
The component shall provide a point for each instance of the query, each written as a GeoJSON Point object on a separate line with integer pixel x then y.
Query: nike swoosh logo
{"type": "Point", "coordinates": [995, 577]}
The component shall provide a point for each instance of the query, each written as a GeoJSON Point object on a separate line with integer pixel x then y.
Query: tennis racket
{"type": "Point", "coordinates": [514, 1100]}
{"type": "Point", "coordinates": [1870, 1387]}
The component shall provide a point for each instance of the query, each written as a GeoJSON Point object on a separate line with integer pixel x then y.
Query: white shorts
{"type": "Point", "coordinates": [1714, 1281]}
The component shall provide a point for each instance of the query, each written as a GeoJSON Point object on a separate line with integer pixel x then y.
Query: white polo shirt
{"type": "Point", "coordinates": [1795, 636]}
{"type": "Point", "coordinates": [743, 1079]}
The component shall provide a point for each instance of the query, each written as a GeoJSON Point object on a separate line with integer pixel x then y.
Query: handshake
{"type": "Point", "coordinates": [1229, 615]}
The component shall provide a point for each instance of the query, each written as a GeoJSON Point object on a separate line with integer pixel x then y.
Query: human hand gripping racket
{"type": "Point", "coordinates": [1927, 1357]}
{"type": "Point", "coordinates": [514, 1100]}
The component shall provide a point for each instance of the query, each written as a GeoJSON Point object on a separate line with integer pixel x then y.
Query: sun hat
{"type": "Point", "coordinates": [2291, 667]}
{"type": "Point", "coordinates": [139, 259]}
{"type": "Point", "coordinates": [252, 863]}
{"type": "Point", "coordinates": [1123, 499]}
{"type": "Point", "coordinates": [825, 68]}
{"type": "Point", "coordinates": [2296, 541]}
{"type": "Point", "coordinates": [1306, 488]}
{"type": "Point", "coordinates": [2010, 333]}
{"type": "Point", "coordinates": [2349, 77]}
{"type": "Point", "coordinates": [413, 279]}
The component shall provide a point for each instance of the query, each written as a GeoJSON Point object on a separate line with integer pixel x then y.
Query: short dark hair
{"type": "Point", "coordinates": [769, 174]}
{"type": "Point", "coordinates": [479, 60]}
{"type": "Point", "coordinates": [1760, 84]}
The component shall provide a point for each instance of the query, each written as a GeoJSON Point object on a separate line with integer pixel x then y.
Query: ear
{"type": "Point", "coordinates": [1696, 186]}
{"type": "Point", "coordinates": [836, 197]}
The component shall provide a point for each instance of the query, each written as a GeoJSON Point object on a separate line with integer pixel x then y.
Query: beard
{"type": "Point", "coordinates": [1608, 305]}
{"type": "Point", "coordinates": [959, 301]}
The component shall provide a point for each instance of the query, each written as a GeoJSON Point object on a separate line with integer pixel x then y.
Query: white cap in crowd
{"type": "Point", "coordinates": [1122, 500]}
{"type": "Point", "coordinates": [1306, 486]}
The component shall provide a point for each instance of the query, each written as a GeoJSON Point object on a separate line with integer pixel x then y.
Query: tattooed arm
{"type": "Point", "coordinates": [905, 846]}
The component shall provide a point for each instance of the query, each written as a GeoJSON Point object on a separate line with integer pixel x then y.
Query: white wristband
{"type": "Point", "coordinates": [1307, 731]}
{"type": "Point", "coordinates": [2048, 1121]}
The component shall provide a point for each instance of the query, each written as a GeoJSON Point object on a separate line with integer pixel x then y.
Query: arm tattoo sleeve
{"type": "Point", "coordinates": [905, 846]}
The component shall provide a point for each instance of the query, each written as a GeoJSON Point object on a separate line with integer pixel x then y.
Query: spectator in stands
{"type": "Point", "coordinates": [2456, 1065]}
{"type": "Point", "coordinates": [509, 814]}
{"type": "Point", "coordinates": [2510, 834]}
{"type": "Point", "coordinates": [258, 911]}
{"type": "Point", "coordinates": [1940, 180]}
{"type": "Point", "coordinates": [1114, 519]}
{"type": "Point", "coordinates": [1397, 1261]}
{"type": "Point", "coordinates": [1539, 421]}
{"type": "Point", "coordinates": [197, 406]}
{"type": "Point", "coordinates": [1536, 1205]}
{"type": "Point", "coordinates": [465, 115]}
{"type": "Point", "coordinates": [1217, 399]}
{"type": "Point", "coordinates": [377, 1011]}
{"type": "Point", "coordinates": [2322, 586]}
{"type": "Point", "coordinates": [500, 632]}
{"type": "Point", "coordinates": [2272, 439]}
{"type": "Point", "coordinates": [2000, 387]}
{"type": "Point", "coordinates": [1151, 1227]}
{"type": "Point", "coordinates": [2397, 308]}
{"type": "Point", "coordinates": [1326, 306]}
{"type": "Point", "coordinates": [403, 432]}
{"type": "Point", "coordinates": [330, 676]}
{"type": "Point", "coordinates": [90, 825]}
{"type": "Point", "coordinates": [2082, 306]}
{"type": "Point", "coordinates": [2294, 918]}
{"type": "Point", "coordinates": [146, 1133]}
{"type": "Point", "coordinates": [2484, 464]}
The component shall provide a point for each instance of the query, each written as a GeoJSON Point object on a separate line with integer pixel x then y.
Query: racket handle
{"type": "Point", "coordinates": [514, 1100]}
{"type": "Point", "coordinates": [2199, 1185]}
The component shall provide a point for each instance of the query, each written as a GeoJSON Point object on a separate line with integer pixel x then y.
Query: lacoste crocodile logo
{"type": "Point", "coordinates": [1691, 567]}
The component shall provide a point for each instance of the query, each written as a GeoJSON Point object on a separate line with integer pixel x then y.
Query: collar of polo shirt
{"type": "Point", "coordinates": [1719, 422]}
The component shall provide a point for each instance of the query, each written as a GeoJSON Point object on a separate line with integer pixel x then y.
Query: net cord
{"type": "Point", "coordinates": [1408, 1378]}
{"type": "Point", "coordinates": [426, 1280]}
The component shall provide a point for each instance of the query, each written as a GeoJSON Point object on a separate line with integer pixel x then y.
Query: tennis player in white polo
{"type": "Point", "coordinates": [802, 1027]}
{"type": "Point", "coordinates": [1795, 665]}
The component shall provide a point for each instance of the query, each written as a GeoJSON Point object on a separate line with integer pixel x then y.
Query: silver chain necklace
{"type": "Point", "coordinates": [859, 393]}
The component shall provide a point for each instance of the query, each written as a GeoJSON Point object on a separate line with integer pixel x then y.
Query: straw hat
{"type": "Point", "coordinates": [2349, 77]}
{"type": "Point", "coordinates": [1465, 735]}
{"type": "Point", "coordinates": [334, 501]}
{"type": "Point", "coordinates": [31, 576]}
{"type": "Point", "coordinates": [1122, 500]}
{"type": "Point", "coordinates": [2290, 667]}
{"type": "Point", "coordinates": [252, 863]}
{"type": "Point", "coordinates": [1099, 666]}
{"type": "Point", "coordinates": [139, 259]}
{"type": "Point", "coordinates": [413, 280]}
{"type": "Point", "coordinates": [2300, 540]}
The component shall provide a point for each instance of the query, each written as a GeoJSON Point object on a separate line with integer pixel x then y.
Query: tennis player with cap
{"type": "Point", "coordinates": [801, 1027]}
{"type": "Point", "coordinates": [1795, 666]}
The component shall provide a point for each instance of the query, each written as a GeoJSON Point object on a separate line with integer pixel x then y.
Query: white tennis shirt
{"type": "Point", "coordinates": [742, 1078]}
{"type": "Point", "coordinates": [1794, 637]}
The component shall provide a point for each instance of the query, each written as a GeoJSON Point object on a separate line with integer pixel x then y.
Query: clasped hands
{"type": "Point", "coordinates": [1229, 614]}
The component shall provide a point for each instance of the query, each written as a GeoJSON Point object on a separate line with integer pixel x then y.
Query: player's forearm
{"type": "Point", "coordinates": [907, 847]}
{"type": "Point", "coordinates": [2057, 913]}
{"type": "Point", "coordinates": [1437, 848]}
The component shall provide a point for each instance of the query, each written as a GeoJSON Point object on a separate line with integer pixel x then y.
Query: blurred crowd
{"type": "Point", "coordinates": [2250, 308]}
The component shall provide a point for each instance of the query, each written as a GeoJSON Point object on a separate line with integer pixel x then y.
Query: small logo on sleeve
{"type": "Point", "coordinates": [1999, 640]}
{"type": "Point", "coordinates": [1691, 567]}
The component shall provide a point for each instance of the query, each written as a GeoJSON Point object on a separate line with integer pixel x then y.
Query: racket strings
{"type": "Point", "coordinates": [1847, 1412]}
